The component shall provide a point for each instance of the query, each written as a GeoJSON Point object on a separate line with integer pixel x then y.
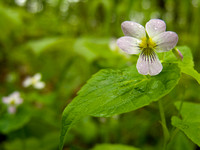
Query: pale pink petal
{"type": "Point", "coordinates": [155, 67]}
{"type": "Point", "coordinates": [11, 109]}
{"type": "Point", "coordinates": [149, 65]}
{"type": "Point", "coordinates": [133, 29]}
{"type": "Point", "coordinates": [18, 101]}
{"type": "Point", "coordinates": [165, 41]}
{"type": "Point", "coordinates": [15, 95]}
{"type": "Point", "coordinates": [6, 100]}
{"type": "Point", "coordinates": [155, 27]}
{"type": "Point", "coordinates": [129, 45]}
{"type": "Point", "coordinates": [142, 65]}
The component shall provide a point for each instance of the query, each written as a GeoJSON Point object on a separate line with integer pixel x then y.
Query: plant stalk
{"type": "Point", "coordinates": [164, 125]}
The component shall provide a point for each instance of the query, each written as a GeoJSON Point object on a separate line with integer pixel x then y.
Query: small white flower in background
{"type": "Point", "coordinates": [113, 47]}
{"type": "Point", "coordinates": [112, 44]}
{"type": "Point", "coordinates": [12, 101]}
{"type": "Point", "coordinates": [34, 81]}
{"type": "Point", "coordinates": [146, 41]}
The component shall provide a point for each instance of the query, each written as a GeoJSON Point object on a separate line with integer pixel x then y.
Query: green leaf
{"type": "Point", "coordinates": [111, 92]}
{"type": "Point", "coordinates": [97, 49]}
{"type": "Point", "coordinates": [47, 142]}
{"type": "Point", "coordinates": [41, 44]}
{"type": "Point", "coordinates": [11, 122]}
{"type": "Point", "coordinates": [180, 142]}
{"type": "Point", "coordinates": [187, 64]}
{"type": "Point", "coordinates": [190, 121]}
{"type": "Point", "coordinates": [48, 52]}
{"type": "Point", "coordinates": [113, 147]}
{"type": "Point", "coordinates": [17, 144]}
{"type": "Point", "coordinates": [86, 129]}
{"type": "Point", "coordinates": [10, 20]}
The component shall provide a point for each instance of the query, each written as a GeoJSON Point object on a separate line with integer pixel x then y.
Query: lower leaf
{"type": "Point", "coordinates": [190, 121]}
{"type": "Point", "coordinates": [111, 92]}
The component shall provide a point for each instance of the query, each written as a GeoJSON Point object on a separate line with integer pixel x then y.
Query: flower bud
{"type": "Point", "coordinates": [177, 53]}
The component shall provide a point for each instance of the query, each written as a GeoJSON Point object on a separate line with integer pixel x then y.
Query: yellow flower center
{"type": "Point", "coordinates": [34, 81]}
{"type": "Point", "coordinates": [12, 102]}
{"type": "Point", "coordinates": [147, 43]}
{"type": "Point", "coordinates": [147, 47]}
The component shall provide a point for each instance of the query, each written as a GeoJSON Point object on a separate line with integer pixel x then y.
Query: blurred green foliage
{"type": "Point", "coordinates": [67, 41]}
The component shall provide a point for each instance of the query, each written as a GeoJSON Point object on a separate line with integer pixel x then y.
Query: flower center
{"type": "Point", "coordinates": [12, 102]}
{"type": "Point", "coordinates": [148, 54]}
{"type": "Point", "coordinates": [147, 47]}
{"type": "Point", "coordinates": [147, 43]}
{"type": "Point", "coordinates": [34, 81]}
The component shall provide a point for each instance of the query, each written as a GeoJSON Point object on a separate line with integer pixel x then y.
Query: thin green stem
{"type": "Point", "coordinates": [173, 134]}
{"type": "Point", "coordinates": [164, 125]}
{"type": "Point", "coordinates": [147, 76]}
{"type": "Point", "coordinates": [174, 129]}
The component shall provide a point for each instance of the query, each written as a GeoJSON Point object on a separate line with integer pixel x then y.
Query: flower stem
{"type": "Point", "coordinates": [164, 125]}
{"type": "Point", "coordinates": [174, 129]}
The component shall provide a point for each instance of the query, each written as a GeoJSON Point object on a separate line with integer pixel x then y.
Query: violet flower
{"type": "Point", "coordinates": [147, 41]}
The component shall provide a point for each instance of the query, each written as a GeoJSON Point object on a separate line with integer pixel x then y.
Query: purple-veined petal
{"type": "Point", "coordinates": [133, 29]}
{"type": "Point", "coordinates": [165, 41]}
{"type": "Point", "coordinates": [149, 64]}
{"type": "Point", "coordinates": [155, 27]}
{"type": "Point", "coordinates": [129, 44]}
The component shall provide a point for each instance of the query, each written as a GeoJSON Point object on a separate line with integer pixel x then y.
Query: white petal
{"type": "Point", "coordinates": [155, 27]}
{"type": "Point", "coordinates": [155, 67]}
{"type": "Point", "coordinates": [129, 44]}
{"type": "Point", "coordinates": [18, 101]}
{"type": "Point", "coordinates": [133, 29]}
{"type": "Point", "coordinates": [165, 41]}
{"type": "Point", "coordinates": [39, 85]}
{"type": "Point", "coordinates": [15, 95]}
{"type": "Point", "coordinates": [6, 100]}
{"type": "Point", "coordinates": [11, 109]}
{"type": "Point", "coordinates": [149, 65]}
{"type": "Point", "coordinates": [37, 77]}
{"type": "Point", "coordinates": [27, 82]}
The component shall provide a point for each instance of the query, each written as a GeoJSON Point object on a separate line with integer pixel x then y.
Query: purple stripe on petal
{"type": "Point", "coordinates": [155, 67]}
{"type": "Point", "coordinates": [165, 41]}
{"type": "Point", "coordinates": [155, 27]}
{"type": "Point", "coordinates": [133, 29]}
{"type": "Point", "coordinates": [149, 64]}
{"type": "Point", "coordinates": [142, 65]}
{"type": "Point", "coordinates": [129, 45]}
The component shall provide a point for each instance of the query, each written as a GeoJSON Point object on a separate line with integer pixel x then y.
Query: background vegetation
{"type": "Point", "coordinates": [67, 41]}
